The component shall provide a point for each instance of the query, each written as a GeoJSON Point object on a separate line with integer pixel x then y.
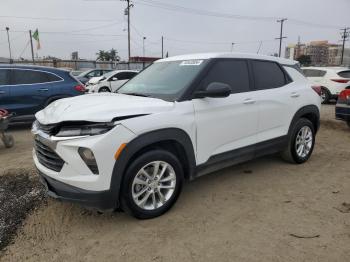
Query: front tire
{"type": "Point", "coordinates": [104, 89]}
{"type": "Point", "coordinates": [152, 184]}
{"type": "Point", "coordinates": [301, 142]}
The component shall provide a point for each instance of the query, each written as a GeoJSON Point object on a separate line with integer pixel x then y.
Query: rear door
{"type": "Point", "coordinates": [4, 88]}
{"type": "Point", "coordinates": [230, 123]}
{"type": "Point", "coordinates": [30, 89]}
{"type": "Point", "coordinates": [278, 99]}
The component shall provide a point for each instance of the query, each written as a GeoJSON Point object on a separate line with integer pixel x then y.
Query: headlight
{"type": "Point", "coordinates": [85, 130]}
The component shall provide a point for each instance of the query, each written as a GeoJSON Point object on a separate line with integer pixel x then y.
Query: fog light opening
{"type": "Point", "coordinates": [89, 158]}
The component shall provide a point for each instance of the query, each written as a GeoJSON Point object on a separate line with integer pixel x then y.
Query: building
{"type": "Point", "coordinates": [322, 53]}
{"type": "Point", "coordinates": [141, 59]}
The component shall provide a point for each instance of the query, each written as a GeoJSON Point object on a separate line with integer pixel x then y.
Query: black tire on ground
{"type": "Point", "coordinates": [127, 202]}
{"type": "Point", "coordinates": [290, 153]}
{"type": "Point", "coordinates": [9, 141]}
{"type": "Point", "coordinates": [325, 95]}
{"type": "Point", "coordinates": [104, 89]}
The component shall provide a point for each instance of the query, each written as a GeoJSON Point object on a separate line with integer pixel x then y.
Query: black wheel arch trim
{"type": "Point", "coordinates": [144, 140]}
{"type": "Point", "coordinates": [309, 109]}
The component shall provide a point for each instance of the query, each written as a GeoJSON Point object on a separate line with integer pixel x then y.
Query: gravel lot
{"type": "Point", "coordinates": [262, 210]}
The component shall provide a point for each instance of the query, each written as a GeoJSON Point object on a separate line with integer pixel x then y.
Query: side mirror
{"type": "Point", "coordinates": [113, 79]}
{"type": "Point", "coordinates": [215, 89]}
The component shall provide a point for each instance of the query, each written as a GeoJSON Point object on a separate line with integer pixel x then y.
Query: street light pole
{"type": "Point", "coordinates": [143, 45]}
{"type": "Point", "coordinates": [232, 44]}
{"type": "Point", "coordinates": [8, 39]}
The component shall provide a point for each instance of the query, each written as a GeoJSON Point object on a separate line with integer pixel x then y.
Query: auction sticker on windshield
{"type": "Point", "coordinates": [191, 63]}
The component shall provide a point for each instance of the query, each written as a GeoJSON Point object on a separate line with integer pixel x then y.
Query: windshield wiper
{"type": "Point", "coordinates": [135, 94]}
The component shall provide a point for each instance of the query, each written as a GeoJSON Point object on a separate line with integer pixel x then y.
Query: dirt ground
{"type": "Point", "coordinates": [248, 212]}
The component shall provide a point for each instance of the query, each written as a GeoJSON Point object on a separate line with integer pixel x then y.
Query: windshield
{"type": "Point", "coordinates": [165, 80]}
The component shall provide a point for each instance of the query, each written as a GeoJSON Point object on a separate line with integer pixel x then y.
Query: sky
{"type": "Point", "coordinates": [191, 26]}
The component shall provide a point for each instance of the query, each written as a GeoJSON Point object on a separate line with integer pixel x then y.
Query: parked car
{"type": "Point", "coordinates": [342, 108]}
{"type": "Point", "coordinates": [110, 82]}
{"type": "Point", "coordinates": [180, 118]}
{"type": "Point", "coordinates": [331, 79]}
{"type": "Point", "coordinates": [86, 75]}
{"type": "Point", "coordinates": [24, 90]}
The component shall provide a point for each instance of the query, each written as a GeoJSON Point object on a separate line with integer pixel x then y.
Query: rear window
{"type": "Point", "coordinates": [314, 73]}
{"type": "Point", "coordinates": [21, 77]}
{"type": "Point", "coordinates": [345, 74]}
{"type": "Point", "coordinates": [268, 75]}
{"type": "Point", "coordinates": [4, 77]}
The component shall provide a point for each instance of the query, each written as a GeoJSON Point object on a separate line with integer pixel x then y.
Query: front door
{"type": "Point", "coordinates": [230, 123]}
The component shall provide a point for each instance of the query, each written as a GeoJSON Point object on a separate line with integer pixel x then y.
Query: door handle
{"type": "Point", "coordinates": [43, 90]}
{"type": "Point", "coordinates": [294, 94]}
{"type": "Point", "coordinates": [2, 92]}
{"type": "Point", "coordinates": [249, 101]}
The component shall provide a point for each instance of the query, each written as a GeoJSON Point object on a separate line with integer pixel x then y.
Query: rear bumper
{"type": "Point", "coordinates": [342, 112]}
{"type": "Point", "coordinates": [100, 200]}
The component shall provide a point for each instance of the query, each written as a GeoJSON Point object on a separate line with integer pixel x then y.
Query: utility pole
{"type": "Point", "coordinates": [31, 45]}
{"type": "Point", "coordinates": [8, 40]}
{"type": "Point", "coordinates": [127, 12]}
{"type": "Point", "coordinates": [162, 47]}
{"type": "Point", "coordinates": [281, 34]}
{"type": "Point", "coordinates": [232, 44]}
{"type": "Point", "coordinates": [344, 36]}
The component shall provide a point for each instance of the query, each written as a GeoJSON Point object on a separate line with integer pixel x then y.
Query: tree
{"type": "Point", "coordinates": [304, 60]}
{"type": "Point", "coordinates": [111, 55]}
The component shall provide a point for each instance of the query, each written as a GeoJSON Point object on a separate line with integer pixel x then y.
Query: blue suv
{"type": "Point", "coordinates": [24, 90]}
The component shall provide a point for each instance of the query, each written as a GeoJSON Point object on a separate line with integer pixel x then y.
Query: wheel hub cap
{"type": "Point", "coordinates": [304, 142]}
{"type": "Point", "coordinates": [153, 185]}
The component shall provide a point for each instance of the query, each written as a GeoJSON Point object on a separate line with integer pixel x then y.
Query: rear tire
{"type": "Point", "coordinates": [152, 184]}
{"type": "Point", "coordinates": [325, 95]}
{"type": "Point", "coordinates": [301, 142]}
{"type": "Point", "coordinates": [104, 89]}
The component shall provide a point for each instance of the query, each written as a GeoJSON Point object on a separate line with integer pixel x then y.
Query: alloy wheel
{"type": "Point", "coordinates": [304, 142]}
{"type": "Point", "coordinates": [153, 185]}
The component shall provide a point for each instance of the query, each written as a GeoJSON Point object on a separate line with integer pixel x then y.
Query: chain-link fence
{"type": "Point", "coordinates": [80, 65]}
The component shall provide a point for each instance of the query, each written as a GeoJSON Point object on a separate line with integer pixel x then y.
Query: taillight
{"type": "Point", "coordinates": [317, 89]}
{"type": "Point", "coordinates": [80, 88]}
{"type": "Point", "coordinates": [344, 96]}
{"type": "Point", "coordinates": [342, 81]}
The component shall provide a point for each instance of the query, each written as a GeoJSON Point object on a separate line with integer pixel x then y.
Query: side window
{"type": "Point", "coordinates": [131, 75]}
{"type": "Point", "coordinates": [314, 73]}
{"type": "Point", "coordinates": [122, 76]}
{"type": "Point", "coordinates": [268, 75]}
{"type": "Point", "coordinates": [231, 72]}
{"type": "Point", "coordinates": [20, 77]}
{"type": "Point", "coordinates": [4, 77]}
{"type": "Point", "coordinates": [345, 74]}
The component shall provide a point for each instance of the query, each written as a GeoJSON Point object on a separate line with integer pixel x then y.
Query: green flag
{"type": "Point", "coordinates": [36, 38]}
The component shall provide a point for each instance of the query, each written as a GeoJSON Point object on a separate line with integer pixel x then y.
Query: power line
{"type": "Point", "coordinates": [178, 8]}
{"type": "Point", "coordinates": [56, 18]}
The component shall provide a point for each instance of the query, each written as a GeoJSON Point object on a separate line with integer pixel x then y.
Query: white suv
{"type": "Point", "coordinates": [180, 118]}
{"type": "Point", "coordinates": [332, 80]}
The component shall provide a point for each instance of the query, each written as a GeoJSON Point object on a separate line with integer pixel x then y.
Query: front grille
{"type": "Point", "coordinates": [47, 129]}
{"type": "Point", "coordinates": [47, 157]}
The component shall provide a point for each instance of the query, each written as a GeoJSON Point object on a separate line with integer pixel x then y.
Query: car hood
{"type": "Point", "coordinates": [102, 107]}
{"type": "Point", "coordinates": [95, 80]}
